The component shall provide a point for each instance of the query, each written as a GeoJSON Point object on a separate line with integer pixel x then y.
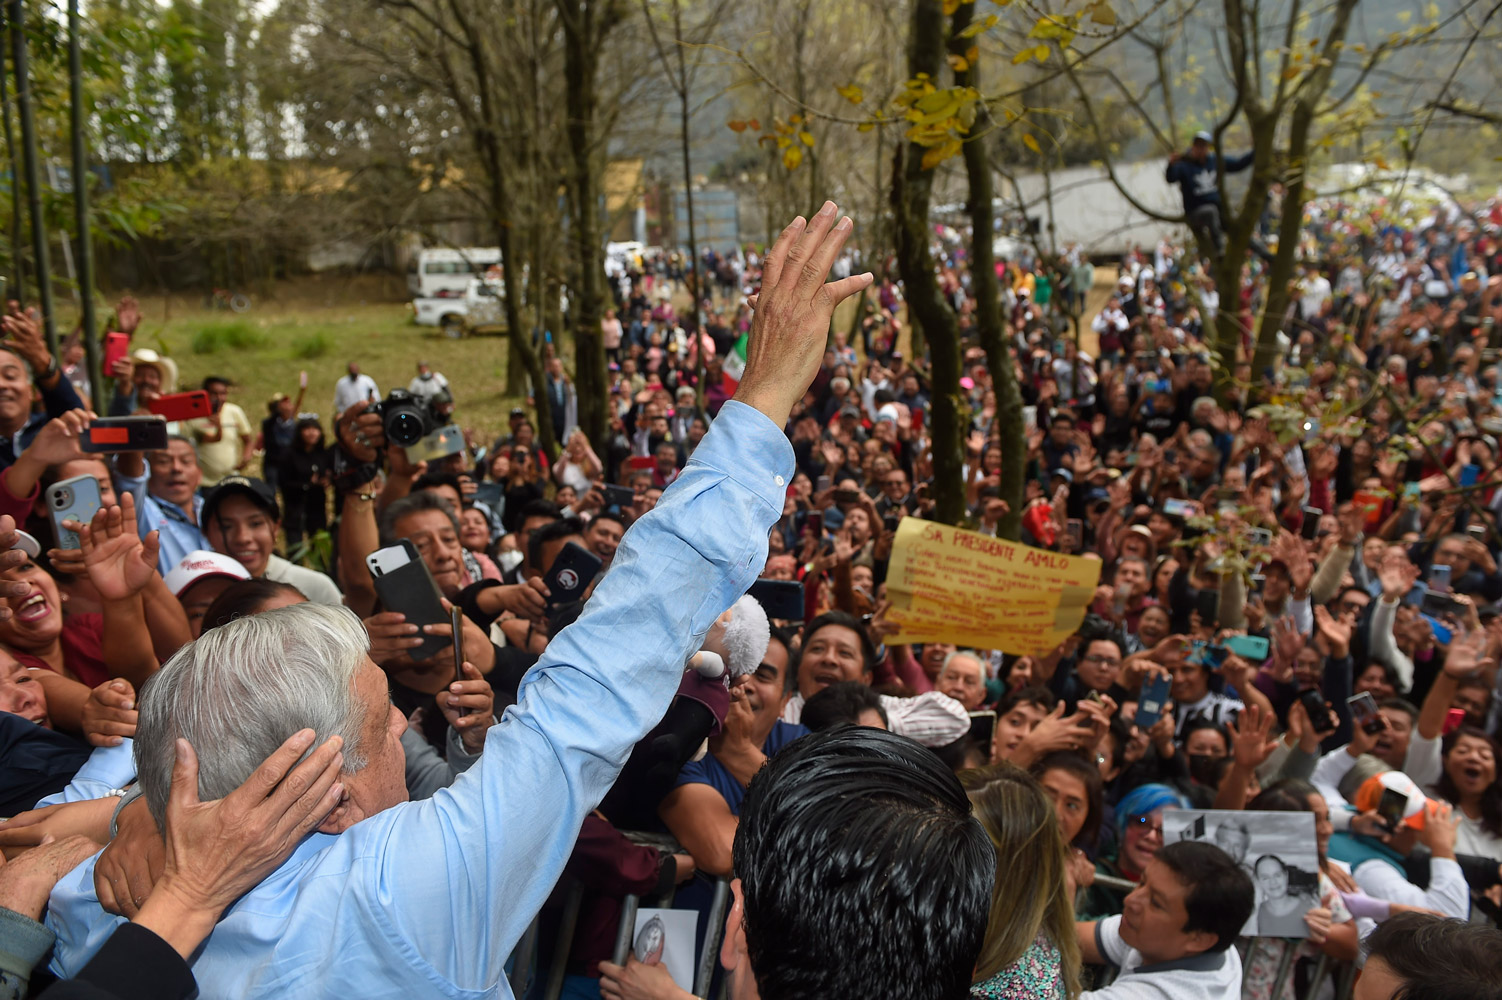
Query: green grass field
{"type": "Point", "coordinates": [319, 326]}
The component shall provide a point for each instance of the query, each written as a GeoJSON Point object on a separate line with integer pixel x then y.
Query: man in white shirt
{"type": "Point", "coordinates": [428, 383]}
{"type": "Point", "coordinates": [837, 648]}
{"type": "Point", "coordinates": [1174, 935]}
{"type": "Point", "coordinates": [354, 388]}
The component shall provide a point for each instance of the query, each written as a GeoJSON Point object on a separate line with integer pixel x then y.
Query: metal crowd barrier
{"type": "Point", "coordinates": [1342, 974]}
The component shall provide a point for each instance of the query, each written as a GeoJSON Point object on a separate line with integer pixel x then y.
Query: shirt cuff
{"type": "Point", "coordinates": [747, 447]}
{"type": "Point", "coordinates": [25, 942]}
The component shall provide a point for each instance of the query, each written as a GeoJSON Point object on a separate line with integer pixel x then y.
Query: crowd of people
{"type": "Point", "coordinates": [228, 770]}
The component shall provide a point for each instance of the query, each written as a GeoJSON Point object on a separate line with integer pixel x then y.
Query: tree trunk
{"type": "Point", "coordinates": [912, 190]}
{"type": "Point", "coordinates": [1289, 227]}
{"type": "Point", "coordinates": [990, 328]}
{"type": "Point", "coordinates": [582, 34]}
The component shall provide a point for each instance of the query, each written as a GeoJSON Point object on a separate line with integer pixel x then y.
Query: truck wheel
{"type": "Point", "coordinates": [452, 326]}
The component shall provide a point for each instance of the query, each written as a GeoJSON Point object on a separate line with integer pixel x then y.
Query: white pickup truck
{"type": "Point", "coordinates": [480, 304]}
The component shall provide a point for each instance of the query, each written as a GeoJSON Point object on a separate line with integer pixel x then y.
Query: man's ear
{"type": "Point", "coordinates": [344, 815]}
{"type": "Point", "coordinates": [733, 954]}
{"type": "Point", "coordinates": [1200, 942]}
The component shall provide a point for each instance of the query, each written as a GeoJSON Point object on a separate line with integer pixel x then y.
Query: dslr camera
{"type": "Point", "coordinates": [406, 418]}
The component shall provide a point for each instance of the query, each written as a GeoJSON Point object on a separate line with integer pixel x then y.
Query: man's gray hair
{"type": "Point", "coordinates": [964, 654]}
{"type": "Point", "coordinates": [414, 503]}
{"type": "Point", "coordinates": [240, 690]}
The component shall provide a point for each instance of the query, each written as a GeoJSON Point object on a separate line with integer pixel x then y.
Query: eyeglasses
{"type": "Point", "coordinates": [1105, 661]}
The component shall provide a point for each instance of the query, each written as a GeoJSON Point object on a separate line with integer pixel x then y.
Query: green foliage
{"type": "Point", "coordinates": [313, 346]}
{"type": "Point", "coordinates": [235, 334]}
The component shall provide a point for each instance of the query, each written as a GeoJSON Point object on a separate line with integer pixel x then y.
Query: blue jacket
{"type": "Point", "coordinates": [1198, 180]}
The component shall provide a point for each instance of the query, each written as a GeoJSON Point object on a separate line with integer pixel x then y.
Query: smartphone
{"type": "Point", "coordinates": [1315, 708]}
{"type": "Point", "coordinates": [1208, 654]}
{"type": "Point", "coordinates": [982, 727]}
{"type": "Point", "coordinates": [821, 484]}
{"type": "Point", "coordinates": [437, 446]}
{"type": "Point", "coordinates": [1029, 418]}
{"type": "Point", "coordinates": [1175, 507]}
{"type": "Point", "coordinates": [1476, 531]}
{"type": "Point", "coordinates": [181, 405]}
{"type": "Point", "coordinates": [116, 346]}
{"type": "Point", "coordinates": [1248, 647]}
{"type": "Point", "coordinates": [403, 583]}
{"type": "Point", "coordinates": [809, 519]}
{"type": "Point", "coordinates": [1391, 807]}
{"type": "Point", "coordinates": [781, 599]}
{"type": "Point", "coordinates": [1454, 719]}
{"type": "Point", "coordinates": [891, 521]}
{"type": "Point", "coordinates": [1260, 537]}
{"type": "Point", "coordinates": [1207, 603]}
{"type": "Point", "coordinates": [571, 574]}
{"type": "Point", "coordinates": [1310, 528]}
{"type": "Point", "coordinates": [1438, 629]}
{"type": "Point", "coordinates": [456, 623]}
{"type": "Point", "coordinates": [1469, 474]}
{"type": "Point", "coordinates": [847, 496]}
{"type": "Point", "coordinates": [75, 499]}
{"type": "Point", "coordinates": [1364, 713]}
{"type": "Point", "coordinates": [1439, 603]}
{"type": "Point", "coordinates": [1411, 493]}
{"type": "Point", "coordinates": [112, 434]}
{"type": "Point", "coordinates": [1075, 529]}
{"type": "Point", "coordinates": [1150, 703]}
{"type": "Point", "coordinates": [1439, 578]}
{"type": "Point", "coordinates": [618, 496]}
{"type": "Point", "coordinates": [491, 494]}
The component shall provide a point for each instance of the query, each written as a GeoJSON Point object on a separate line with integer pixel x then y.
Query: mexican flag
{"type": "Point", "coordinates": [735, 365]}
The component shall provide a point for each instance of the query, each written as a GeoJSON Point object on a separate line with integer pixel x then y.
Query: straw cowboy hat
{"type": "Point", "coordinates": [166, 366]}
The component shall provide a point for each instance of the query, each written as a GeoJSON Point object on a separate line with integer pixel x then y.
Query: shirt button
{"type": "Point", "coordinates": [779, 481]}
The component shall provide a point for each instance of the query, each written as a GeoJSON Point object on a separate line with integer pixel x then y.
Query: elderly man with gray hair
{"type": "Point", "coordinates": [400, 899]}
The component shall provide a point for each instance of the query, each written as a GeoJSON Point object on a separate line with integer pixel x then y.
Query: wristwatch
{"type": "Point", "coordinates": [52, 367]}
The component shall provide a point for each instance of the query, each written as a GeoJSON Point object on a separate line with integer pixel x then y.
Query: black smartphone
{"type": "Point", "coordinates": [571, 574]}
{"type": "Point", "coordinates": [403, 583]}
{"type": "Point", "coordinates": [891, 521]}
{"type": "Point", "coordinates": [114, 434]}
{"type": "Point", "coordinates": [1391, 807]}
{"type": "Point", "coordinates": [1437, 602]}
{"type": "Point", "coordinates": [1310, 528]}
{"type": "Point", "coordinates": [618, 496]}
{"type": "Point", "coordinates": [456, 622]}
{"type": "Point", "coordinates": [1364, 712]}
{"type": "Point", "coordinates": [1207, 603]}
{"type": "Point", "coordinates": [1316, 709]}
{"type": "Point", "coordinates": [782, 599]}
{"type": "Point", "coordinates": [809, 519]}
{"type": "Point", "coordinates": [847, 496]}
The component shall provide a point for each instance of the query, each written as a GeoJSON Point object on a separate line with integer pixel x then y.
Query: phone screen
{"type": "Point", "coordinates": [1364, 712]}
{"type": "Point", "coordinates": [1391, 807]}
{"type": "Point", "coordinates": [1315, 709]}
{"type": "Point", "coordinates": [456, 621]}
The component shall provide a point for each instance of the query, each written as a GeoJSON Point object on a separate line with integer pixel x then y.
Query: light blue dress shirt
{"type": "Point", "coordinates": [179, 536]}
{"type": "Point", "coordinates": [428, 899]}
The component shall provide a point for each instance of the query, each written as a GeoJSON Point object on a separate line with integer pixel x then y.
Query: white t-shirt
{"type": "Point", "coordinates": [315, 586]}
{"type": "Point", "coordinates": [1208, 976]}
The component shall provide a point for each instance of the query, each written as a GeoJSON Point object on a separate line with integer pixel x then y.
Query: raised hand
{"type": "Point", "coordinates": [793, 311]}
{"type": "Point", "coordinates": [1467, 654]}
{"type": "Point", "coordinates": [119, 564]}
{"type": "Point", "coordinates": [1337, 631]}
{"type": "Point", "coordinates": [1396, 575]}
{"type": "Point", "coordinates": [1250, 742]}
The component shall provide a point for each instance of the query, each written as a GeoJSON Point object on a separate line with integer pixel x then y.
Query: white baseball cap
{"type": "Point", "coordinates": [200, 565]}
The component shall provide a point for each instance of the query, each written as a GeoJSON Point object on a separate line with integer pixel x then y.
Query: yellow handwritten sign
{"type": "Point", "coordinates": [951, 585]}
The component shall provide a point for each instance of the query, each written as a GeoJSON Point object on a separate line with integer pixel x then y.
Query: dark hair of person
{"type": "Point", "coordinates": [562, 528]}
{"type": "Point", "coordinates": [538, 508]}
{"type": "Point", "coordinates": [414, 503]}
{"type": "Point", "coordinates": [428, 480]}
{"type": "Point", "coordinates": [1220, 894]}
{"type": "Point", "coordinates": [844, 620]}
{"type": "Point", "coordinates": [303, 424]}
{"type": "Point", "coordinates": [841, 704]}
{"type": "Point", "coordinates": [1199, 722]}
{"type": "Point", "coordinates": [1075, 764]}
{"type": "Point", "coordinates": [964, 754]}
{"type": "Point", "coordinates": [1285, 795]}
{"type": "Point", "coordinates": [612, 514]}
{"type": "Point", "coordinates": [1491, 799]}
{"type": "Point", "coordinates": [213, 380]}
{"type": "Point", "coordinates": [1121, 730]}
{"type": "Point", "coordinates": [1035, 694]}
{"type": "Point", "coordinates": [244, 598]}
{"type": "Point", "coordinates": [1401, 705]}
{"type": "Point", "coordinates": [850, 839]}
{"type": "Point", "coordinates": [1438, 958]}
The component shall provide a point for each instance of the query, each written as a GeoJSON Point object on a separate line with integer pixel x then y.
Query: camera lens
{"type": "Point", "coordinates": [404, 428]}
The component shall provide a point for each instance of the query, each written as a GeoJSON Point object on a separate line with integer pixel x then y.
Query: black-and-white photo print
{"type": "Point", "coordinates": [1276, 849]}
